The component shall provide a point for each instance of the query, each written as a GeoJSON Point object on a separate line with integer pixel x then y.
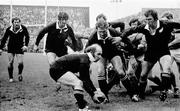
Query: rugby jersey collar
{"type": "Point", "coordinates": [147, 25]}
{"type": "Point", "coordinates": [99, 38]}
{"type": "Point", "coordinates": [19, 30]}
{"type": "Point", "coordinates": [57, 26]}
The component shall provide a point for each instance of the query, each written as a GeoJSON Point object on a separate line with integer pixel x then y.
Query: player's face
{"type": "Point", "coordinates": [62, 23]}
{"type": "Point", "coordinates": [102, 32]}
{"type": "Point", "coordinates": [16, 24]}
{"type": "Point", "coordinates": [135, 24]}
{"type": "Point", "coordinates": [98, 54]}
{"type": "Point", "coordinates": [150, 20]}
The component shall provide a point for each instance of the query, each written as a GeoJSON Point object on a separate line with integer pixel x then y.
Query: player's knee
{"type": "Point", "coordinates": [143, 78]}
{"type": "Point", "coordinates": [51, 63]}
{"type": "Point", "coordinates": [121, 73]}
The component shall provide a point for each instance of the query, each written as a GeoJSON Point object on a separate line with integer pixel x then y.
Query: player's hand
{"type": "Point", "coordinates": [35, 48]}
{"type": "Point", "coordinates": [24, 48]}
{"type": "Point", "coordinates": [99, 97]}
{"type": "Point", "coordinates": [140, 46]}
{"type": "Point", "coordinates": [133, 62]}
{"type": "Point", "coordinates": [1, 51]}
{"type": "Point", "coordinates": [115, 40]}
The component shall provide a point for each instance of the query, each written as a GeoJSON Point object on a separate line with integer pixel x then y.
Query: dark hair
{"type": "Point", "coordinates": [63, 16]}
{"type": "Point", "coordinates": [151, 12]}
{"type": "Point", "coordinates": [101, 16]}
{"type": "Point", "coordinates": [102, 24]}
{"type": "Point", "coordinates": [133, 20]}
{"type": "Point", "coordinates": [15, 18]}
{"type": "Point", "coordinates": [168, 15]}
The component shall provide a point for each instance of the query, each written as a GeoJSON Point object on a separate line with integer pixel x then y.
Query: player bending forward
{"type": "Point", "coordinates": [64, 68]}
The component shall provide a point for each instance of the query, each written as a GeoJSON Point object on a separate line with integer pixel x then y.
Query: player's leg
{"type": "Point", "coordinates": [51, 57]}
{"type": "Point", "coordinates": [70, 79]}
{"type": "Point", "coordinates": [20, 66]}
{"type": "Point", "coordinates": [165, 63]}
{"type": "Point", "coordinates": [176, 58]}
{"type": "Point", "coordinates": [176, 89]}
{"type": "Point", "coordinates": [102, 76]}
{"type": "Point", "coordinates": [10, 66]}
{"type": "Point", "coordinates": [131, 73]}
{"type": "Point", "coordinates": [138, 70]}
{"type": "Point", "coordinates": [119, 68]}
{"type": "Point", "coordinates": [146, 67]}
{"type": "Point", "coordinates": [155, 79]}
{"type": "Point", "coordinates": [178, 66]}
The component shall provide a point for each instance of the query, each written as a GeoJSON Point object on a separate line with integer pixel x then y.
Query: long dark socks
{"type": "Point", "coordinates": [10, 71]}
{"type": "Point", "coordinates": [20, 68]}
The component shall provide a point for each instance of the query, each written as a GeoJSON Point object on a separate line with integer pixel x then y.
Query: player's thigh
{"type": "Point", "coordinates": [11, 57]}
{"type": "Point", "coordinates": [118, 64]}
{"type": "Point", "coordinates": [70, 79]}
{"type": "Point", "coordinates": [146, 68]}
{"type": "Point", "coordinates": [51, 57]}
{"type": "Point", "coordinates": [165, 63]}
{"type": "Point", "coordinates": [176, 56]}
{"type": "Point", "coordinates": [20, 58]}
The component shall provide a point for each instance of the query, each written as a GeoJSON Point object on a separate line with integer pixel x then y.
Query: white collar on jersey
{"type": "Point", "coordinates": [61, 29]}
{"type": "Point", "coordinates": [19, 30]}
{"type": "Point", "coordinates": [158, 25]}
{"type": "Point", "coordinates": [91, 58]}
{"type": "Point", "coordinates": [57, 26]}
{"type": "Point", "coordinates": [108, 35]}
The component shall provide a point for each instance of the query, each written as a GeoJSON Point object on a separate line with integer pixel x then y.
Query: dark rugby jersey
{"type": "Point", "coordinates": [109, 49]}
{"type": "Point", "coordinates": [56, 38]}
{"type": "Point", "coordinates": [73, 63]}
{"type": "Point", "coordinates": [157, 44]}
{"type": "Point", "coordinates": [16, 39]}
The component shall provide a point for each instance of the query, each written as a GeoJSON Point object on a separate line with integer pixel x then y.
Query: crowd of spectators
{"type": "Point", "coordinates": [4, 18]}
{"type": "Point", "coordinates": [30, 15]}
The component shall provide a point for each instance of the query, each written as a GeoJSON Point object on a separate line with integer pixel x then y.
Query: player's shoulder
{"type": "Point", "coordinates": [23, 27]}
{"type": "Point", "coordinates": [93, 35]}
{"type": "Point", "coordinates": [8, 28]}
{"type": "Point", "coordinates": [69, 27]}
{"type": "Point", "coordinates": [51, 25]}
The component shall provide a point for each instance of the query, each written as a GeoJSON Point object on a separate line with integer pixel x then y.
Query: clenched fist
{"type": "Point", "coordinates": [24, 48]}
{"type": "Point", "coordinates": [99, 97]}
